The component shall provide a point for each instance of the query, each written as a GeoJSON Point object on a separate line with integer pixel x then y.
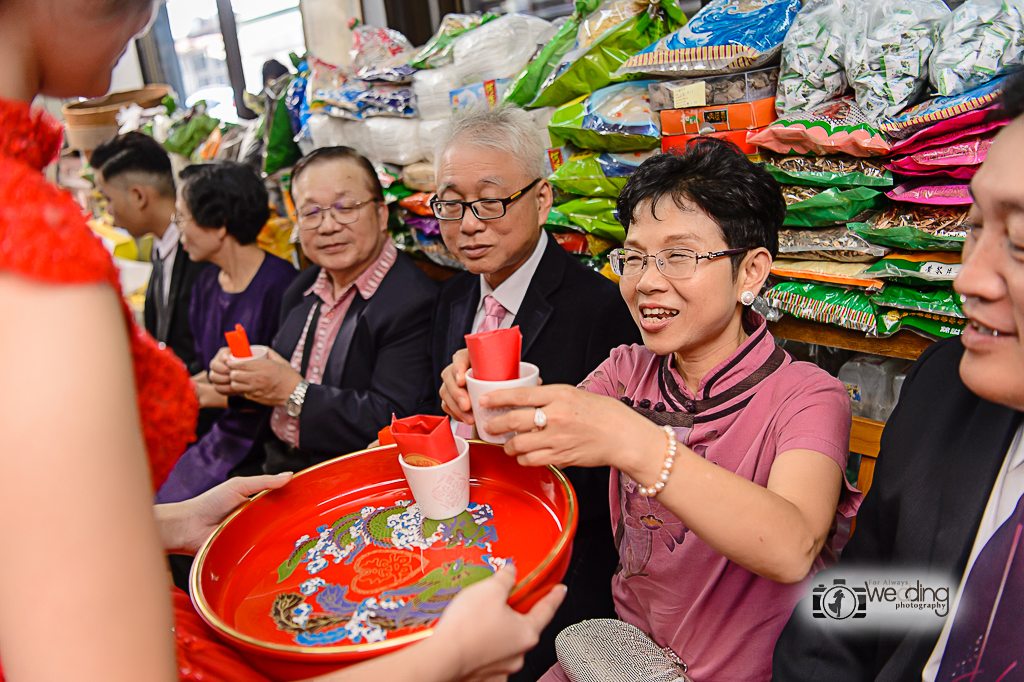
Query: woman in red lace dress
{"type": "Point", "coordinates": [85, 395]}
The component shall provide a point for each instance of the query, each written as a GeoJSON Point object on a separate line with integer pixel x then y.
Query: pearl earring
{"type": "Point", "coordinates": [747, 297]}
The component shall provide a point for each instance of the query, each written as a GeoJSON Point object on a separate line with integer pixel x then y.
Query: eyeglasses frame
{"type": "Point", "coordinates": [330, 209]}
{"type": "Point", "coordinates": [471, 204]}
{"type": "Point", "coordinates": [698, 257]}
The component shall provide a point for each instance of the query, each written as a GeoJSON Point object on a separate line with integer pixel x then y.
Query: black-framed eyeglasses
{"type": "Point", "coordinates": [674, 263]}
{"type": "Point", "coordinates": [343, 212]}
{"type": "Point", "coordinates": [483, 209]}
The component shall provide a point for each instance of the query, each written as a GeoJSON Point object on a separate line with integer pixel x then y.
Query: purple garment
{"type": "Point", "coordinates": [207, 462]}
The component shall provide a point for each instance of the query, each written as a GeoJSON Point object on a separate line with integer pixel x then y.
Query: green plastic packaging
{"type": "Point", "coordinates": [617, 118]}
{"type": "Point", "coordinates": [847, 308]}
{"type": "Point", "coordinates": [941, 301]}
{"type": "Point", "coordinates": [596, 215]}
{"type": "Point", "coordinates": [917, 269]}
{"type": "Point", "coordinates": [917, 227]}
{"type": "Point", "coordinates": [594, 174]}
{"type": "Point", "coordinates": [559, 222]}
{"type": "Point", "coordinates": [438, 50]}
{"type": "Point", "coordinates": [930, 325]}
{"type": "Point", "coordinates": [593, 68]}
{"type": "Point", "coordinates": [282, 150]}
{"type": "Point", "coordinates": [524, 87]}
{"type": "Point", "coordinates": [833, 205]}
{"type": "Point", "coordinates": [184, 137]}
{"type": "Point", "coordinates": [828, 171]}
{"type": "Point", "coordinates": [396, 192]}
{"type": "Point", "coordinates": [906, 237]}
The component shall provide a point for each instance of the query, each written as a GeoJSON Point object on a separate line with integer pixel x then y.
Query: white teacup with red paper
{"type": "Point", "coordinates": [435, 463]}
{"type": "Point", "coordinates": [495, 362]}
{"type": "Point", "coordinates": [238, 342]}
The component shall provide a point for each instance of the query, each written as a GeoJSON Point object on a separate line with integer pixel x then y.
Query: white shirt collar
{"type": "Point", "coordinates": [167, 244]}
{"type": "Point", "coordinates": [512, 291]}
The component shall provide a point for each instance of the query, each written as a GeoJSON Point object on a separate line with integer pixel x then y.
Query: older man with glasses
{"type": "Point", "coordinates": [353, 347]}
{"type": "Point", "coordinates": [492, 201]}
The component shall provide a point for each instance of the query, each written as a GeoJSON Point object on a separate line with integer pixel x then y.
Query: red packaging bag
{"type": "Point", "coordinates": [424, 440]}
{"type": "Point", "coordinates": [495, 355]}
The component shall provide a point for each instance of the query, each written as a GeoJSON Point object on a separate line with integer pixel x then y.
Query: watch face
{"type": "Point", "coordinates": [293, 409]}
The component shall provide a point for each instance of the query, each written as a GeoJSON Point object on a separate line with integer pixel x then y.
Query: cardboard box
{"type": "Point", "coordinates": [677, 143]}
{"type": "Point", "coordinates": [742, 116]}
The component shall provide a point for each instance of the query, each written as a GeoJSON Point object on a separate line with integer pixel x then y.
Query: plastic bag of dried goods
{"type": "Point", "coordinates": [928, 113]}
{"type": "Point", "coordinates": [833, 127]}
{"type": "Point", "coordinates": [886, 57]}
{"type": "Point", "coordinates": [432, 87]}
{"type": "Point", "coordinates": [933, 193]}
{"type": "Point", "coordinates": [394, 140]}
{"type": "Point", "coordinates": [372, 45]}
{"type": "Point", "coordinates": [812, 57]}
{"type": "Point", "coordinates": [617, 118]}
{"type": "Point", "coordinates": [602, 46]}
{"type": "Point", "coordinates": [837, 170]}
{"type": "Point", "coordinates": [917, 227]}
{"type": "Point", "coordinates": [596, 174]}
{"type": "Point", "coordinates": [916, 269]}
{"type": "Point", "coordinates": [823, 206]}
{"type": "Point", "coordinates": [822, 303]}
{"type": "Point", "coordinates": [723, 37]}
{"type": "Point", "coordinates": [498, 49]}
{"type": "Point", "coordinates": [833, 243]}
{"type": "Point", "coordinates": [980, 40]}
{"type": "Point", "coordinates": [438, 50]}
{"type": "Point", "coordinates": [525, 86]}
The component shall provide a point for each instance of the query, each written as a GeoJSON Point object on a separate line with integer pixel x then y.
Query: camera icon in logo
{"type": "Point", "coordinates": [839, 601]}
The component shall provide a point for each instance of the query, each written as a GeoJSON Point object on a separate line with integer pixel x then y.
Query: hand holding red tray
{"type": "Point", "coordinates": [495, 355]}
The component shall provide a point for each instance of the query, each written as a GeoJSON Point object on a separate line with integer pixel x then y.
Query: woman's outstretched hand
{"type": "Point", "coordinates": [184, 526]}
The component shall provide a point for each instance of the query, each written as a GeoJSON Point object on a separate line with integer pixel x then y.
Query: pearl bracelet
{"type": "Point", "coordinates": [666, 467]}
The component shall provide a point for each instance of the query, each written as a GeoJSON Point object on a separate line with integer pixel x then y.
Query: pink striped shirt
{"type": "Point", "coordinates": [332, 314]}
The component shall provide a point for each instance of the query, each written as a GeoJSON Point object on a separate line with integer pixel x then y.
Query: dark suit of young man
{"type": "Point", "coordinates": [941, 452]}
{"type": "Point", "coordinates": [571, 317]}
{"type": "Point", "coordinates": [176, 331]}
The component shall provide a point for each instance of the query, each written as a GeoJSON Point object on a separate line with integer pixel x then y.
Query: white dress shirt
{"type": "Point", "coordinates": [511, 292]}
{"type": "Point", "coordinates": [1006, 493]}
{"type": "Point", "coordinates": [165, 249]}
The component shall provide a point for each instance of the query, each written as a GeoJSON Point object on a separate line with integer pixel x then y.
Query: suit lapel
{"type": "Point", "coordinates": [460, 320]}
{"type": "Point", "coordinates": [339, 351]}
{"type": "Point", "coordinates": [287, 337]}
{"type": "Point", "coordinates": [535, 310]}
{"type": "Point", "coordinates": [177, 274]}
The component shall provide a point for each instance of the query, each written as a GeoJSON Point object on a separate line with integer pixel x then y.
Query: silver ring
{"type": "Point", "coordinates": [540, 420]}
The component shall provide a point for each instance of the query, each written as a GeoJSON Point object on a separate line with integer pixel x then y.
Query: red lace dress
{"type": "Point", "coordinates": [44, 237]}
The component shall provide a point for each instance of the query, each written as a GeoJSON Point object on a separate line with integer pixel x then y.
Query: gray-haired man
{"type": "Point", "coordinates": [492, 201]}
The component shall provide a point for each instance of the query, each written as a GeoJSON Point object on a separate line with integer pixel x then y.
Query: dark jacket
{"type": "Point", "coordinates": [570, 318]}
{"type": "Point", "coordinates": [941, 452]}
{"type": "Point", "coordinates": [179, 335]}
{"type": "Point", "coordinates": [379, 366]}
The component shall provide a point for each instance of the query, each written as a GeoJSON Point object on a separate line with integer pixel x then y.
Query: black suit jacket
{"type": "Point", "coordinates": [570, 318]}
{"type": "Point", "coordinates": [179, 301]}
{"type": "Point", "coordinates": [379, 365]}
{"type": "Point", "coordinates": [941, 452]}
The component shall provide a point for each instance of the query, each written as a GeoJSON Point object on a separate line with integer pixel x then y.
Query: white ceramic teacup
{"type": "Point", "coordinates": [442, 490]}
{"type": "Point", "coordinates": [258, 353]}
{"type": "Point", "coordinates": [529, 375]}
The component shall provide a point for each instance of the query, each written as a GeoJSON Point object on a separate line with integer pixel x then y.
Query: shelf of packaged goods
{"type": "Point", "coordinates": [904, 344]}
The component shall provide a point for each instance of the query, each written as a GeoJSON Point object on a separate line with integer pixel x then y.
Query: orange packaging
{"type": "Point", "coordinates": [677, 143]}
{"type": "Point", "coordinates": [723, 118]}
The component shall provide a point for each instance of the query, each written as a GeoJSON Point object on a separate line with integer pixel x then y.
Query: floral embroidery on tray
{"type": "Point", "coordinates": [384, 546]}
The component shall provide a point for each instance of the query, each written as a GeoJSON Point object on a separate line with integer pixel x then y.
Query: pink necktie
{"type": "Point", "coordinates": [494, 315]}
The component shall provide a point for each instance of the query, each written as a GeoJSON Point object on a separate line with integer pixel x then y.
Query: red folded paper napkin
{"type": "Point", "coordinates": [495, 355]}
{"type": "Point", "coordinates": [424, 440]}
{"type": "Point", "coordinates": [238, 342]}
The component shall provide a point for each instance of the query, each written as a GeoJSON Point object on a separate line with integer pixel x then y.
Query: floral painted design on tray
{"type": "Point", "coordinates": [393, 587]}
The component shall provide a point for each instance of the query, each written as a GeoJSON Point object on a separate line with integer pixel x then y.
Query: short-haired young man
{"type": "Point", "coordinates": [133, 172]}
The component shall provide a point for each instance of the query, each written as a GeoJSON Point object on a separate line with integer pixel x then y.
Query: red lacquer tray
{"type": "Point", "coordinates": [338, 566]}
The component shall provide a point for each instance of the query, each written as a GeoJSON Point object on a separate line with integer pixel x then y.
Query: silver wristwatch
{"type": "Point", "coordinates": [295, 400]}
